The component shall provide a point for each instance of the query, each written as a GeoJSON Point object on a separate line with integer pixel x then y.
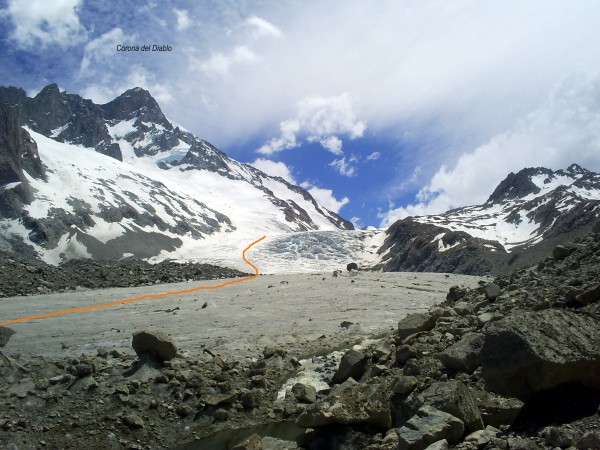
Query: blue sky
{"type": "Point", "coordinates": [380, 109]}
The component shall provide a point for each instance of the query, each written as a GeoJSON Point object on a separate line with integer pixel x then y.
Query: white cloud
{"type": "Point", "coordinates": [45, 22]}
{"type": "Point", "coordinates": [262, 28]}
{"type": "Point", "coordinates": [357, 222]}
{"type": "Point", "coordinates": [318, 118]}
{"type": "Point", "coordinates": [221, 63]}
{"type": "Point", "coordinates": [102, 47]}
{"type": "Point", "coordinates": [275, 169]}
{"type": "Point", "coordinates": [345, 167]}
{"type": "Point", "coordinates": [564, 130]}
{"type": "Point", "coordinates": [374, 156]}
{"type": "Point", "coordinates": [332, 144]}
{"type": "Point", "coordinates": [183, 19]}
{"type": "Point", "coordinates": [326, 198]}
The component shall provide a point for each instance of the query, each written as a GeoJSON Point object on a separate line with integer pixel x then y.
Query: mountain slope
{"type": "Point", "coordinates": [526, 211]}
{"type": "Point", "coordinates": [120, 179]}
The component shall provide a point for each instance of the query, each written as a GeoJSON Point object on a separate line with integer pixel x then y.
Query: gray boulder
{"type": "Point", "coordinates": [427, 426]}
{"type": "Point", "coordinates": [492, 291]}
{"type": "Point", "coordinates": [454, 398]}
{"type": "Point", "coordinates": [352, 365]}
{"type": "Point", "coordinates": [463, 355]}
{"type": "Point", "coordinates": [404, 353]}
{"type": "Point", "coordinates": [560, 252]}
{"type": "Point", "coordinates": [304, 393]}
{"type": "Point", "coordinates": [589, 296]}
{"type": "Point", "coordinates": [155, 343]}
{"type": "Point", "coordinates": [413, 323]}
{"type": "Point", "coordinates": [530, 352]}
{"type": "Point", "coordinates": [5, 334]}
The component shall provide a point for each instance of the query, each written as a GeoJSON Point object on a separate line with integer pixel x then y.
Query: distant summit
{"type": "Point", "coordinates": [527, 212]}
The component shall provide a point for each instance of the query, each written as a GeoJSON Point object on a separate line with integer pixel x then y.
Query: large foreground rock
{"type": "Point", "coordinates": [156, 343]}
{"type": "Point", "coordinates": [530, 352]}
{"type": "Point", "coordinates": [454, 398]}
{"type": "Point", "coordinates": [351, 404]}
{"type": "Point", "coordinates": [427, 426]}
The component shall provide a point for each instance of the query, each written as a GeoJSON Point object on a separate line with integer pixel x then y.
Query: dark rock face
{"type": "Point", "coordinates": [517, 185]}
{"type": "Point", "coordinates": [66, 117]}
{"type": "Point", "coordinates": [528, 353]}
{"type": "Point", "coordinates": [18, 154]}
{"type": "Point", "coordinates": [414, 248]}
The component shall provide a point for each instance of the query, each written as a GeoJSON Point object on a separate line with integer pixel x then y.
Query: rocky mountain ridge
{"type": "Point", "coordinates": [526, 215]}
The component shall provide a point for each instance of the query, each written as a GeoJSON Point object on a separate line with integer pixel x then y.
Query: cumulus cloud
{"type": "Point", "coordinates": [45, 22]}
{"type": "Point", "coordinates": [102, 47]}
{"type": "Point", "coordinates": [183, 19]}
{"type": "Point", "coordinates": [332, 144]}
{"type": "Point", "coordinates": [564, 130]}
{"type": "Point", "coordinates": [345, 167]}
{"type": "Point", "coordinates": [325, 197]}
{"type": "Point", "coordinates": [318, 119]}
{"type": "Point", "coordinates": [274, 168]}
{"type": "Point", "coordinates": [221, 63]}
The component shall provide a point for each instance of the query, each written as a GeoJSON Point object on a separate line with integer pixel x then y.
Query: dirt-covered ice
{"type": "Point", "coordinates": [302, 312]}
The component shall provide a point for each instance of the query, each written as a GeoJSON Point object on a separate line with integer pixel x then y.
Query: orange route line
{"type": "Point", "coordinates": [147, 296]}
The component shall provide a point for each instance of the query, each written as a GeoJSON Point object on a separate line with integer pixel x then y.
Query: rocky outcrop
{"type": "Point", "coordinates": [412, 246]}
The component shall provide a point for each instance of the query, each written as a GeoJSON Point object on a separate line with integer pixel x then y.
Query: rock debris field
{"type": "Point", "coordinates": [445, 361]}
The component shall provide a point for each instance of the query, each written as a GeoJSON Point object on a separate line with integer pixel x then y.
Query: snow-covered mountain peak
{"type": "Point", "coordinates": [191, 192]}
{"type": "Point", "coordinates": [527, 206]}
{"type": "Point", "coordinates": [526, 209]}
{"type": "Point", "coordinates": [136, 103]}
